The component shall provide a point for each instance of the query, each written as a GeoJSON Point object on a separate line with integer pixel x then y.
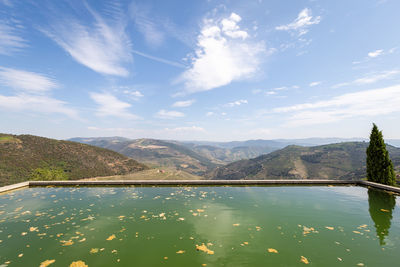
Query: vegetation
{"type": "Point", "coordinates": [344, 161]}
{"type": "Point", "coordinates": [379, 165]}
{"type": "Point", "coordinates": [25, 157]}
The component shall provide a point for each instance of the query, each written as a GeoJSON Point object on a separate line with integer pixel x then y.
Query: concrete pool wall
{"type": "Point", "coordinates": [198, 182]}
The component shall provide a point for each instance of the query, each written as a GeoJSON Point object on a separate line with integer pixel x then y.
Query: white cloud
{"type": "Point", "coordinates": [133, 94]}
{"type": "Point", "coordinates": [109, 105]}
{"type": "Point", "coordinates": [103, 46]}
{"type": "Point", "coordinates": [314, 84]}
{"type": "Point", "coordinates": [146, 25]}
{"type": "Point", "coordinates": [182, 104]}
{"type": "Point", "coordinates": [224, 54]}
{"type": "Point", "coordinates": [210, 113]}
{"type": "Point", "coordinates": [26, 81]}
{"type": "Point", "coordinates": [36, 103]}
{"type": "Point", "coordinates": [237, 103]}
{"type": "Point", "coordinates": [165, 114]}
{"type": "Point", "coordinates": [375, 53]}
{"type": "Point", "coordinates": [270, 93]}
{"type": "Point", "coordinates": [371, 78]}
{"type": "Point", "coordinates": [184, 129]}
{"type": "Point", "coordinates": [10, 41]}
{"type": "Point", "coordinates": [369, 103]}
{"type": "Point", "coordinates": [301, 23]}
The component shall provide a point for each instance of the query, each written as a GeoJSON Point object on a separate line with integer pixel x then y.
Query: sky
{"type": "Point", "coordinates": [213, 70]}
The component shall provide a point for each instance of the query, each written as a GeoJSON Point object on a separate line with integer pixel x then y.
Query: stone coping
{"type": "Point", "coordinates": [197, 182]}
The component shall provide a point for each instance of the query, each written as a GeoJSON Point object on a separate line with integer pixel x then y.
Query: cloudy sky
{"type": "Point", "coordinates": [200, 70]}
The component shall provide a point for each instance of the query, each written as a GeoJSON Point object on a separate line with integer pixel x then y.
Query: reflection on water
{"type": "Point", "coordinates": [381, 205]}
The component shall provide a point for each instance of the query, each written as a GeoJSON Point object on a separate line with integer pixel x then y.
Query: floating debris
{"type": "Point", "coordinates": [111, 237]}
{"type": "Point", "coordinates": [272, 250]}
{"type": "Point", "coordinates": [94, 250]}
{"type": "Point", "coordinates": [304, 260]}
{"type": "Point", "coordinates": [78, 264]}
{"type": "Point", "coordinates": [236, 224]}
{"type": "Point", "coordinates": [180, 252]}
{"type": "Point", "coordinates": [47, 263]}
{"type": "Point", "coordinates": [205, 249]}
{"type": "Point", "coordinates": [329, 227]}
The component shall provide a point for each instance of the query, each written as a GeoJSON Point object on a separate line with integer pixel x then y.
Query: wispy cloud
{"type": "Point", "coordinates": [10, 39]}
{"type": "Point", "coordinates": [102, 46]}
{"type": "Point", "coordinates": [26, 81]}
{"type": "Point", "coordinates": [162, 60]}
{"type": "Point", "coordinates": [182, 104]}
{"type": "Point", "coordinates": [35, 103]}
{"type": "Point", "coordinates": [109, 105]}
{"type": "Point", "coordinates": [133, 94]}
{"type": "Point", "coordinates": [146, 24]}
{"type": "Point", "coordinates": [364, 103]}
{"type": "Point", "coordinates": [224, 54]}
{"type": "Point", "coordinates": [32, 93]}
{"type": "Point", "coordinates": [169, 114]}
{"type": "Point", "coordinates": [236, 103]}
{"type": "Point", "coordinates": [185, 129]}
{"type": "Point", "coordinates": [315, 83]}
{"type": "Point", "coordinates": [301, 24]}
{"type": "Point", "coordinates": [375, 53]}
{"type": "Point", "coordinates": [370, 78]}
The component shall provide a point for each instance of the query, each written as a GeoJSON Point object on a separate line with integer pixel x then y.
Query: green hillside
{"type": "Point", "coordinates": [345, 161]}
{"type": "Point", "coordinates": [24, 157]}
{"type": "Point", "coordinates": [157, 153]}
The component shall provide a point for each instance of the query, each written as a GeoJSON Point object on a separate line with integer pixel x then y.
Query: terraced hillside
{"type": "Point", "coordinates": [335, 161]}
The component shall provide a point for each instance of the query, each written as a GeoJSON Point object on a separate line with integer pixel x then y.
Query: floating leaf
{"type": "Point", "coordinates": [204, 248]}
{"type": "Point", "coordinates": [78, 264]}
{"type": "Point", "coordinates": [33, 229]}
{"type": "Point", "coordinates": [236, 224]}
{"type": "Point", "coordinates": [180, 252]}
{"type": "Point", "coordinates": [384, 210]}
{"type": "Point", "coordinates": [304, 260]}
{"type": "Point", "coordinates": [272, 250]}
{"type": "Point", "coordinates": [46, 263]}
{"type": "Point", "coordinates": [329, 227]}
{"type": "Point", "coordinates": [111, 237]}
{"type": "Point", "coordinates": [94, 250]}
{"type": "Point", "coordinates": [67, 243]}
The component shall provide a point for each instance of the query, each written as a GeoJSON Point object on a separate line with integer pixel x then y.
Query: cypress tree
{"type": "Point", "coordinates": [379, 165]}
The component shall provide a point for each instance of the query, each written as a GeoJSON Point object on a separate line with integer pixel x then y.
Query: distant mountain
{"type": "Point", "coordinates": [158, 153]}
{"type": "Point", "coordinates": [24, 157]}
{"type": "Point", "coordinates": [345, 161]}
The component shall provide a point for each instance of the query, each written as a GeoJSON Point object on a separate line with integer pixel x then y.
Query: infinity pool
{"type": "Point", "coordinates": [199, 226]}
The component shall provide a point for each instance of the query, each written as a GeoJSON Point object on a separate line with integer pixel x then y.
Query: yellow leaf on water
{"type": "Point", "coordinates": [180, 252]}
{"type": "Point", "coordinates": [200, 210]}
{"type": "Point", "coordinates": [46, 263]}
{"type": "Point", "coordinates": [94, 250]}
{"type": "Point", "coordinates": [272, 250]}
{"type": "Point", "coordinates": [111, 237]}
{"type": "Point", "coordinates": [205, 249]}
{"type": "Point", "coordinates": [362, 226]}
{"type": "Point", "coordinates": [360, 264]}
{"type": "Point", "coordinates": [33, 229]}
{"type": "Point", "coordinates": [78, 264]}
{"type": "Point", "coordinates": [67, 243]}
{"type": "Point", "coordinates": [356, 232]}
{"type": "Point", "coordinates": [20, 255]}
{"type": "Point", "coordinates": [236, 224]}
{"type": "Point", "coordinates": [329, 227]}
{"type": "Point", "coordinates": [304, 260]}
{"type": "Point", "coordinates": [384, 210]}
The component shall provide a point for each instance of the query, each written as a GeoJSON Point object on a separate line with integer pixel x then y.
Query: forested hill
{"type": "Point", "coordinates": [345, 161]}
{"type": "Point", "coordinates": [25, 157]}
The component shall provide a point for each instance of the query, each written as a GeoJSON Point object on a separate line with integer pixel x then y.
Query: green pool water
{"type": "Point", "coordinates": [161, 226]}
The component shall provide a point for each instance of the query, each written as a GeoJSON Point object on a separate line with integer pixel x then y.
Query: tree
{"type": "Point", "coordinates": [379, 165]}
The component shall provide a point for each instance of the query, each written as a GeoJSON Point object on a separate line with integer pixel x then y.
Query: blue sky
{"type": "Point", "coordinates": [200, 70]}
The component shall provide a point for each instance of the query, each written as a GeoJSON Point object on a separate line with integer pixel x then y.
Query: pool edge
{"type": "Point", "coordinates": [12, 187]}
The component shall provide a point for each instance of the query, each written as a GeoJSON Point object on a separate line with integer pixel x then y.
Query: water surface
{"type": "Point", "coordinates": [229, 226]}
